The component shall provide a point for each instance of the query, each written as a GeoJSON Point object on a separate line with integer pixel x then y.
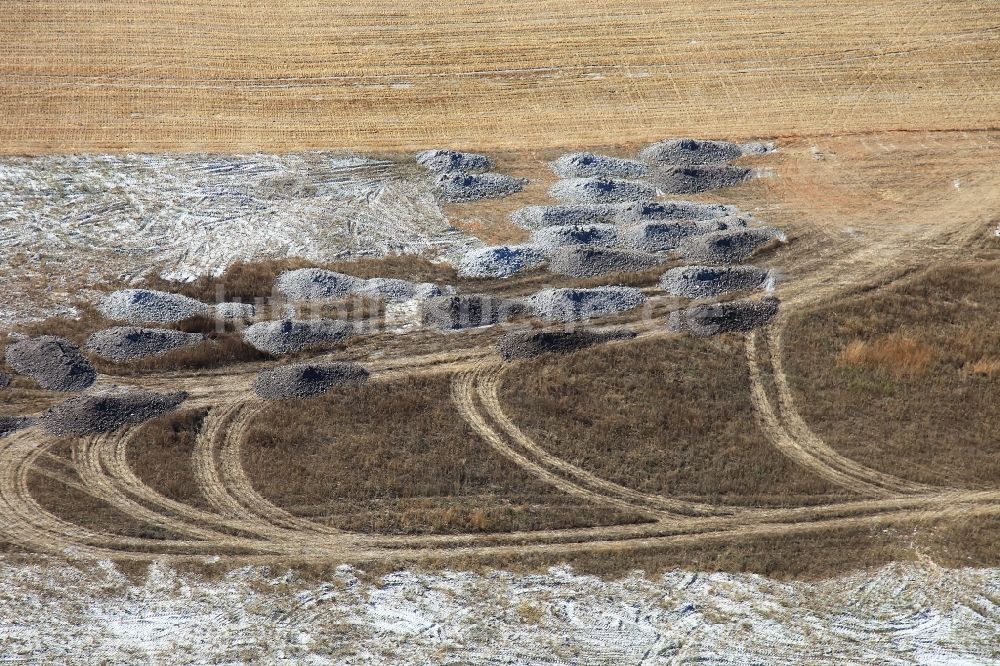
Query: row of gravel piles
{"type": "Point", "coordinates": [468, 311]}
{"type": "Point", "coordinates": [699, 178]}
{"type": "Point", "coordinates": [589, 165]}
{"type": "Point", "coordinates": [581, 304]}
{"type": "Point", "coordinates": [709, 281]}
{"type": "Point", "coordinates": [550, 238]}
{"type": "Point", "coordinates": [137, 306]}
{"type": "Point", "coordinates": [129, 343]}
{"type": "Point", "coordinates": [729, 246]}
{"type": "Point", "coordinates": [705, 320]}
{"type": "Point", "coordinates": [527, 344]}
{"type": "Point", "coordinates": [287, 336]}
{"type": "Point", "coordinates": [588, 261]}
{"type": "Point", "coordinates": [690, 151]}
{"type": "Point", "coordinates": [304, 380]}
{"type": "Point", "coordinates": [601, 190]}
{"type": "Point", "coordinates": [9, 424]}
{"type": "Point", "coordinates": [103, 412]}
{"type": "Point", "coordinates": [500, 261]}
{"type": "Point", "coordinates": [307, 284]}
{"type": "Point", "coordinates": [54, 362]}
{"type": "Point", "coordinates": [460, 186]}
{"type": "Point", "coordinates": [444, 160]}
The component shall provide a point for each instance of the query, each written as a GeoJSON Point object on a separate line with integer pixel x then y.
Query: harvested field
{"type": "Point", "coordinates": [413, 467]}
{"type": "Point", "coordinates": [603, 409]}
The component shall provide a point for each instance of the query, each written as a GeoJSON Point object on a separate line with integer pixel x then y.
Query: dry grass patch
{"type": "Point", "coordinates": [906, 379]}
{"type": "Point", "coordinates": [670, 416]}
{"type": "Point", "coordinates": [397, 458]}
{"type": "Point", "coordinates": [162, 456]}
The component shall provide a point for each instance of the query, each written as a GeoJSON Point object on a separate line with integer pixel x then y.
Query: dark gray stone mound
{"type": "Point", "coordinates": [588, 261]}
{"type": "Point", "coordinates": [127, 343]}
{"type": "Point", "coordinates": [601, 190]}
{"type": "Point", "coordinates": [500, 261]}
{"type": "Point", "coordinates": [9, 424]}
{"type": "Point", "coordinates": [316, 284]}
{"type": "Point", "coordinates": [536, 217]}
{"type": "Point", "coordinates": [4, 380]}
{"type": "Point", "coordinates": [138, 306]}
{"type": "Point", "coordinates": [690, 151]}
{"type": "Point", "coordinates": [453, 160]}
{"type": "Point", "coordinates": [588, 165]}
{"type": "Point", "coordinates": [104, 412]}
{"type": "Point", "coordinates": [526, 344]}
{"type": "Point", "coordinates": [55, 363]}
{"type": "Point", "coordinates": [708, 281]}
{"type": "Point", "coordinates": [668, 235]}
{"type": "Point", "coordinates": [289, 335]}
{"type": "Point", "coordinates": [582, 304]}
{"type": "Point", "coordinates": [468, 311]}
{"type": "Point", "coordinates": [458, 186]}
{"type": "Point", "coordinates": [393, 290]}
{"type": "Point", "coordinates": [733, 316]}
{"type": "Point", "coordinates": [601, 235]}
{"type": "Point", "coordinates": [729, 246]}
{"type": "Point", "coordinates": [302, 381]}
{"type": "Point", "coordinates": [694, 179]}
{"type": "Point", "coordinates": [648, 211]}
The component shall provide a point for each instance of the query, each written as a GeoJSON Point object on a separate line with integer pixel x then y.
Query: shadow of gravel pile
{"type": "Point", "coordinates": [9, 424]}
{"type": "Point", "coordinates": [601, 190]}
{"type": "Point", "coordinates": [699, 178]}
{"type": "Point", "coordinates": [733, 316]}
{"type": "Point", "coordinates": [527, 344]}
{"type": "Point", "coordinates": [729, 246]}
{"type": "Point", "coordinates": [587, 261]}
{"type": "Point", "coordinates": [572, 304]}
{"type": "Point", "coordinates": [287, 336]}
{"type": "Point", "coordinates": [690, 151]}
{"type": "Point", "coordinates": [588, 165]}
{"type": "Point", "coordinates": [468, 311]}
{"type": "Point", "coordinates": [54, 362]}
{"type": "Point", "coordinates": [443, 160]}
{"type": "Point", "coordinates": [500, 261]}
{"type": "Point", "coordinates": [304, 380]}
{"type": "Point", "coordinates": [137, 306]}
{"type": "Point", "coordinates": [104, 412]}
{"type": "Point", "coordinates": [549, 238]}
{"type": "Point", "coordinates": [128, 343]}
{"type": "Point", "coordinates": [708, 281]}
{"type": "Point", "coordinates": [459, 186]}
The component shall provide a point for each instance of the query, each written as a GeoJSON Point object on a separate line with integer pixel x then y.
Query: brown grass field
{"type": "Point", "coordinates": [240, 76]}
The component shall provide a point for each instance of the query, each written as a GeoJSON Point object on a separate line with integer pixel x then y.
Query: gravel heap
{"type": "Point", "coordinates": [307, 284]}
{"type": "Point", "coordinates": [711, 319]}
{"type": "Point", "coordinates": [708, 281]}
{"type": "Point", "coordinates": [581, 304]}
{"type": "Point", "coordinates": [55, 363]}
{"type": "Point", "coordinates": [588, 261]}
{"type": "Point", "coordinates": [127, 343]}
{"type": "Point", "coordinates": [458, 186]}
{"type": "Point", "coordinates": [137, 306]}
{"type": "Point", "coordinates": [453, 160]}
{"type": "Point", "coordinates": [535, 217]}
{"type": "Point", "coordinates": [468, 311]}
{"type": "Point", "coordinates": [304, 380]}
{"type": "Point", "coordinates": [690, 151]}
{"type": "Point", "coordinates": [526, 344]}
{"type": "Point", "coordinates": [729, 246]}
{"type": "Point", "coordinates": [230, 311]}
{"type": "Point", "coordinates": [603, 235]}
{"type": "Point", "coordinates": [500, 261]}
{"type": "Point", "coordinates": [289, 335]}
{"type": "Point", "coordinates": [672, 210]}
{"type": "Point", "coordinates": [700, 178]}
{"type": "Point", "coordinates": [668, 235]}
{"type": "Point", "coordinates": [601, 190]}
{"type": "Point", "coordinates": [4, 380]}
{"type": "Point", "coordinates": [9, 424]}
{"type": "Point", "coordinates": [103, 412]}
{"type": "Point", "coordinates": [587, 165]}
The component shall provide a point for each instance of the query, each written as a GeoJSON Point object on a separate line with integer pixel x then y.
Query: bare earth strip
{"type": "Point", "coordinates": [295, 74]}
